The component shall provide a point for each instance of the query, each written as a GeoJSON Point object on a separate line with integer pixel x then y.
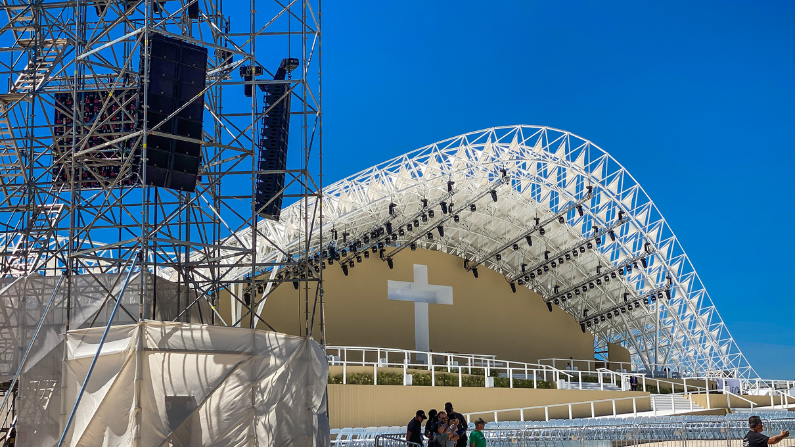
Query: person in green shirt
{"type": "Point", "coordinates": [476, 438]}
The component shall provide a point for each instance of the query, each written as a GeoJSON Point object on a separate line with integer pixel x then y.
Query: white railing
{"type": "Point", "coordinates": [624, 377]}
{"type": "Point", "coordinates": [569, 405]}
{"type": "Point", "coordinates": [451, 363]}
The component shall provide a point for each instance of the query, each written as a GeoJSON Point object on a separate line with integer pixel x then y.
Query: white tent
{"type": "Point", "coordinates": [178, 384]}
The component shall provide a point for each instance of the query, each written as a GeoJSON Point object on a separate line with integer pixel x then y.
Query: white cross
{"type": "Point", "coordinates": [421, 293]}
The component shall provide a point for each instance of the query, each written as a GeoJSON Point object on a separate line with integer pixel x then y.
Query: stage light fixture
{"type": "Point", "coordinates": [401, 232]}
{"type": "Point", "coordinates": [556, 288]}
{"type": "Point", "coordinates": [612, 235]}
{"type": "Point", "coordinates": [598, 241]}
{"type": "Point", "coordinates": [450, 184]}
{"type": "Point", "coordinates": [560, 261]}
{"type": "Point", "coordinates": [444, 207]}
{"type": "Point", "coordinates": [546, 255]}
{"type": "Point", "coordinates": [613, 275]}
{"type": "Point", "coordinates": [417, 223]}
{"type": "Point", "coordinates": [539, 272]}
{"type": "Point", "coordinates": [358, 259]}
{"type": "Point", "coordinates": [413, 246]}
{"type": "Point", "coordinates": [524, 266]}
{"type": "Point", "coordinates": [610, 316]}
{"type": "Point", "coordinates": [493, 195]}
{"type": "Point", "coordinates": [389, 228]}
{"type": "Point", "coordinates": [410, 227]}
{"type": "Point", "coordinates": [441, 230]}
{"type": "Point", "coordinates": [549, 306]}
{"type": "Point", "coordinates": [334, 233]}
{"type": "Point", "coordinates": [424, 203]}
{"type": "Point", "coordinates": [295, 285]}
{"type": "Point", "coordinates": [602, 318]}
{"type": "Point", "coordinates": [431, 214]}
{"type": "Point", "coordinates": [475, 272]}
{"type": "Point", "coordinates": [582, 249]}
{"type": "Point", "coordinates": [389, 262]}
{"type": "Point", "coordinates": [499, 257]}
{"type": "Point", "coordinates": [330, 261]}
{"type": "Point", "coordinates": [546, 268]}
{"type": "Point", "coordinates": [317, 269]}
{"type": "Point", "coordinates": [576, 291]}
{"type": "Point", "coordinates": [643, 262]}
{"type": "Point", "coordinates": [598, 281]}
{"type": "Point", "coordinates": [561, 220]}
{"type": "Point", "coordinates": [424, 217]}
{"type": "Point", "coordinates": [532, 276]}
{"type": "Point", "coordinates": [430, 236]}
{"type": "Point", "coordinates": [513, 287]}
{"type": "Point", "coordinates": [582, 326]}
{"type": "Point", "coordinates": [366, 239]}
{"type": "Point", "coordinates": [473, 208]}
{"type": "Point", "coordinates": [375, 249]}
{"type": "Point", "coordinates": [557, 302]}
{"type": "Point", "coordinates": [247, 299]}
{"type": "Point", "coordinates": [589, 245]}
{"type": "Point", "coordinates": [456, 218]}
{"type": "Point", "coordinates": [668, 293]}
{"type": "Point", "coordinates": [343, 253]}
{"type": "Point", "coordinates": [345, 236]}
{"type": "Point", "coordinates": [394, 237]}
{"type": "Point", "coordinates": [568, 257]}
{"type": "Point", "coordinates": [367, 254]}
{"type": "Point", "coordinates": [591, 285]}
{"type": "Point", "coordinates": [381, 253]}
{"type": "Point", "coordinates": [527, 278]}
{"type": "Point", "coordinates": [598, 269]}
{"type": "Point", "coordinates": [515, 247]}
{"type": "Point", "coordinates": [580, 211]}
{"type": "Point", "coordinates": [553, 264]}
{"type": "Point", "coordinates": [392, 209]}
{"type": "Point", "coordinates": [345, 269]}
{"type": "Point", "coordinates": [529, 241]}
{"type": "Point", "coordinates": [569, 295]}
{"type": "Point", "coordinates": [542, 231]}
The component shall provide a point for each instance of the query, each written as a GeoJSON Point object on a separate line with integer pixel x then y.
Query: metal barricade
{"type": "Point", "coordinates": [393, 440]}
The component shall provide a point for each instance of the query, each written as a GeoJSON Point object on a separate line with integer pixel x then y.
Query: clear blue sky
{"type": "Point", "coordinates": [695, 99]}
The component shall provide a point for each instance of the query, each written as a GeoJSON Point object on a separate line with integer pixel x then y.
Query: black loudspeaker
{"type": "Point", "coordinates": [177, 74]}
{"type": "Point", "coordinates": [111, 116]}
{"type": "Point", "coordinates": [273, 144]}
{"type": "Point", "coordinates": [193, 9]}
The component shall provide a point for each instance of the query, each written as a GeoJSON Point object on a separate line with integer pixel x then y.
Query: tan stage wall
{"type": "Point", "coordinates": [380, 405]}
{"type": "Point", "coordinates": [485, 318]}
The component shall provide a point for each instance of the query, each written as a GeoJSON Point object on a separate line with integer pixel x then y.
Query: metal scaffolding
{"type": "Point", "coordinates": [74, 199]}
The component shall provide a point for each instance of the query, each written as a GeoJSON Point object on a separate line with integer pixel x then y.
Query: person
{"type": "Point", "coordinates": [430, 428]}
{"type": "Point", "coordinates": [414, 430]}
{"type": "Point", "coordinates": [461, 430]}
{"type": "Point", "coordinates": [755, 438]}
{"type": "Point", "coordinates": [441, 431]}
{"type": "Point", "coordinates": [476, 438]}
{"type": "Point", "coordinates": [634, 382]}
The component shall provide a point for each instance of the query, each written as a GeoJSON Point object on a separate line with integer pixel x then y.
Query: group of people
{"type": "Point", "coordinates": [444, 429]}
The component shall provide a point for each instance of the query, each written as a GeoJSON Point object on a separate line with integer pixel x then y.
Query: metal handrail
{"type": "Point", "coordinates": [488, 364]}
{"type": "Point", "coordinates": [546, 408]}
{"type": "Point", "coordinates": [658, 381]}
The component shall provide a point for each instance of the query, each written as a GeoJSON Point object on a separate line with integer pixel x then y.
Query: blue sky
{"type": "Point", "coordinates": [695, 100]}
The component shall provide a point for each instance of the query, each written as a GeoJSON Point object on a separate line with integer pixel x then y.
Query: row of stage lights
{"type": "Point", "coordinates": [628, 305]}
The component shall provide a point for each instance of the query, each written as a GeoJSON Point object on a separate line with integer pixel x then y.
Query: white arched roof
{"type": "Point", "coordinates": [537, 173]}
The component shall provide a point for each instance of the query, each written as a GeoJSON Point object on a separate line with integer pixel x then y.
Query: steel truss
{"type": "Point", "coordinates": [535, 173]}
{"type": "Point", "coordinates": [52, 227]}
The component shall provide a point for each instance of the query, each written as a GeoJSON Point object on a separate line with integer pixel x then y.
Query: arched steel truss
{"type": "Point", "coordinates": [539, 175]}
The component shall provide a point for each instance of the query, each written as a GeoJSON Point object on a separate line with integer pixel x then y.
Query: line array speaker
{"type": "Point", "coordinates": [177, 74]}
{"type": "Point", "coordinates": [273, 144]}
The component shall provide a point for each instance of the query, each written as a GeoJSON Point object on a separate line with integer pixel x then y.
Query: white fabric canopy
{"type": "Point", "coordinates": [195, 385]}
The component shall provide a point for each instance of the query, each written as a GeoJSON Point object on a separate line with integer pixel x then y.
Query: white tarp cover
{"type": "Point", "coordinates": [195, 385]}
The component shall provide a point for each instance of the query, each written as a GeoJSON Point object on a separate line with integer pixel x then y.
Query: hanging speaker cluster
{"type": "Point", "coordinates": [177, 75]}
{"type": "Point", "coordinates": [273, 144]}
